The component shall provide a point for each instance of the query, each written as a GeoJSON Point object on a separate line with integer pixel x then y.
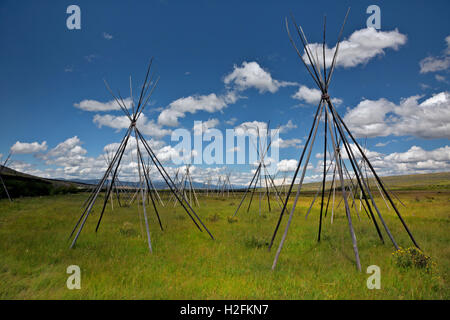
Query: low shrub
{"type": "Point", "coordinates": [413, 258]}
{"type": "Point", "coordinates": [232, 219]}
{"type": "Point", "coordinates": [214, 218]}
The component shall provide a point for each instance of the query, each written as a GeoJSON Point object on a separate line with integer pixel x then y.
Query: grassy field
{"type": "Point", "coordinates": [186, 264]}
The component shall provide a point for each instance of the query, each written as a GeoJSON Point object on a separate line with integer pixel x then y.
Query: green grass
{"type": "Point", "coordinates": [187, 264]}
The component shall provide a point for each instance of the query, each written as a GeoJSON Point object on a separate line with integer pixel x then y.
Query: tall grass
{"type": "Point", "coordinates": [187, 264]}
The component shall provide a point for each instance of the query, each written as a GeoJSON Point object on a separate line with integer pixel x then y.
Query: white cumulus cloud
{"type": "Point", "coordinates": [251, 75]}
{"type": "Point", "coordinates": [287, 165]}
{"type": "Point", "coordinates": [439, 63]}
{"type": "Point", "coordinates": [428, 119]}
{"type": "Point", "coordinates": [26, 148]}
{"type": "Point", "coordinates": [145, 126]}
{"type": "Point", "coordinates": [94, 105]}
{"type": "Point", "coordinates": [360, 48]}
{"type": "Point", "coordinates": [192, 104]}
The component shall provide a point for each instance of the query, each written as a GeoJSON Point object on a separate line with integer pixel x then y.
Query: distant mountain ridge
{"type": "Point", "coordinates": [23, 184]}
{"type": "Point", "coordinates": [159, 184]}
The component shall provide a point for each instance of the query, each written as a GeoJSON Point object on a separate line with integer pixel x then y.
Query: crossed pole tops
{"type": "Point", "coordinates": [321, 76]}
{"type": "Point", "coordinates": [144, 97]}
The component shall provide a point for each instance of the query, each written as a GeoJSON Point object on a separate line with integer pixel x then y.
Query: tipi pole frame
{"type": "Point", "coordinates": [351, 192]}
{"type": "Point", "coordinates": [115, 163]}
{"type": "Point", "coordinates": [192, 188]}
{"type": "Point", "coordinates": [314, 200]}
{"type": "Point", "coordinates": [347, 208]}
{"type": "Point", "coordinates": [109, 188]}
{"type": "Point", "coordinates": [295, 174]}
{"type": "Point", "coordinates": [254, 188]}
{"type": "Point", "coordinates": [393, 193]}
{"type": "Point", "coordinates": [88, 209]}
{"type": "Point", "coordinates": [378, 179]}
{"type": "Point", "coordinates": [90, 196]}
{"type": "Point", "coordinates": [153, 188]}
{"type": "Point", "coordinates": [319, 189]}
{"type": "Point", "coordinates": [337, 120]}
{"type": "Point", "coordinates": [156, 192]}
{"type": "Point", "coordinates": [274, 186]}
{"type": "Point", "coordinates": [99, 185]}
{"type": "Point", "coordinates": [356, 190]}
{"type": "Point", "coordinates": [257, 173]}
{"type": "Point", "coordinates": [361, 181]}
{"type": "Point", "coordinates": [143, 194]}
{"type": "Point", "coordinates": [172, 186]}
{"type": "Point", "coordinates": [182, 189]}
{"type": "Point", "coordinates": [333, 181]}
{"type": "Point", "coordinates": [267, 190]}
{"type": "Point", "coordinates": [147, 179]}
{"type": "Point", "coordinates": [324, 177]}
{"type": "Point", "coordinates": [246, 190]}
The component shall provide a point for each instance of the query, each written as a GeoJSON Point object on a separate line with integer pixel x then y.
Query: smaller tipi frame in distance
{"type": "Point", "coordinates": [136, 110]}
{"type": "Point", "coordinates": [208, 185]}
{"type": "Point", "coordinates": [108, 156]}
{"type": "Point", "coordinates": [261, 173]}
{"type": "Point", "coordinates": [186, 185]}
{"type": "Point", "coordinates": [340, 136]}
{"type": "Point", "coordinates": [226, 186]}
{"type": "Point", "coordinates": [153, 188]}
{"type": "Point", "coordinates": [141, 185]}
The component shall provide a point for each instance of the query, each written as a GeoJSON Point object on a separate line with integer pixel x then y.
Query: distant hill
{"type": "Point", "coordinates": [8, 172]}
{"type": "Point", "coordinates": [21, 184]}
{"type": "Point", "coordinates": [426, 181]}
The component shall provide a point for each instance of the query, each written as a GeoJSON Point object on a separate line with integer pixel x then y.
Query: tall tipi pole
{"type": "Point", "coordinates": [146, 91]}
{"type": "Point", "coordinates": [339, 133]}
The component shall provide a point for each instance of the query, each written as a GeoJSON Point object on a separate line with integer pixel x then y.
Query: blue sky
{"type": "Point", "coordinates": [203, 50]}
